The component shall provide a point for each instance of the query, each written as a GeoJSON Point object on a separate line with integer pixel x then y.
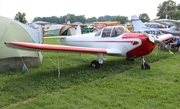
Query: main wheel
{"type": "Point", "coordinates": [95, 64]}
{"type": "Point", "coordinates": [145, 66]}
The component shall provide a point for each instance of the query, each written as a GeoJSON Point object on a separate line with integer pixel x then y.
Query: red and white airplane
{"type": "Point", "coordinates": [112, 40]}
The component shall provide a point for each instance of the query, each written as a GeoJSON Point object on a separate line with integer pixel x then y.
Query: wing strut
{"type": "Point", "coordinates": [58, 66]}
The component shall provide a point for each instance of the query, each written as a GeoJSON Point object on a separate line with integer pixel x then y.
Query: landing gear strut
{"type": "Point", "coordinates": [144, 65]}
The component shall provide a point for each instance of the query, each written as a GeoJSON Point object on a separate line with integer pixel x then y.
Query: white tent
{"type": "Point", "coordinates": [14, 59]}
{"type": "Point", "coordinates": [59, 29]}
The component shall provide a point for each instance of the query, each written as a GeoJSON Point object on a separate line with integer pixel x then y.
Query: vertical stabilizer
{"type": "Point", "coordinates": [137, 23]}
{"type": "Point", "coordinates": [78, 30]}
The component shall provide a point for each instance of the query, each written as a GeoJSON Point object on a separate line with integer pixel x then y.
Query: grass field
{"type": "Point", "coordinates": [117, 84]}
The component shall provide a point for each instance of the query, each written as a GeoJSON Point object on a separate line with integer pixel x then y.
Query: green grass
{"type": "Point", "coordinates": [116, 84]}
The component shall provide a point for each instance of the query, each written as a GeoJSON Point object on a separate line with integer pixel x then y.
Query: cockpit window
{"type": "Point", "coordinates": [98, 33]}
{"type": "Point", "coordinates": [107, 31]}
{"type": "Point", "coordinates": [112, 31]}
{"type": "Point", "coordinates": [121, 30]}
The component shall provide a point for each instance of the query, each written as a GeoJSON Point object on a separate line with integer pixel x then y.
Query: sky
{"type": "Point", "coordinates": [89, 8]}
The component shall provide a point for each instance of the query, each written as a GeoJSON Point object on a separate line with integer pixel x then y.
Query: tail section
{"type": "Point", "coordinates": [78, 30]}
{"type": "Point", "coordinates": [138, 25]}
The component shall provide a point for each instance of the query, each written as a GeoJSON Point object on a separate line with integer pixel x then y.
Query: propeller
{"type": "Point", "coordinates": [154, 39]}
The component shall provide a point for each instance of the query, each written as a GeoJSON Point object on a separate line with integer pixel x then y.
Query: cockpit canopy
{"type": "Point", "coordinates": [112, 31]}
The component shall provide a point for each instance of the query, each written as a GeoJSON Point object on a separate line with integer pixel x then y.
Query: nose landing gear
{"type": "Point", "coordinates": [144, 65]}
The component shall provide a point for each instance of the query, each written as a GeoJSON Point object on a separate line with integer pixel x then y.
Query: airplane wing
{"type": "Point", "coordinates": [49, 47]}
{"type": "Point", "coordinates": [159, 39]}
{"type": "Point", "coordinates": [164, 37]}
{"type": "Point", "coordinates": [61, 48]}
{"type": "Point", "coordinates": [168, 21]}
{"type": "Point", "coordinates": [162, 21]}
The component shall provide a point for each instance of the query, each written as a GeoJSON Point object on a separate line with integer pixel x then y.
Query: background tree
{"type": "Point", "coordinates": [178, 7]}
{"type": "Point", "coordinates": [55, 19]}
{"type": "Point", "coordinates": [144, 17]}
{"type": "Point", "coordinates": [20, 17]}
{"type": "Point", "coordinates": [164, 8]}
{"type": "Point", "coordinates": [101, 18]}
{"type": "Point", "coordinates": [122, 19]}
{"type": "Point", "coordinates": [92, 19]}
{"type": "Point", "coordinates": [174, 14]}
{"type": "Point", "coordinates": [81, 18]}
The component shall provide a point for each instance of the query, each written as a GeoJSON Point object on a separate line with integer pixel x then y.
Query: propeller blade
{"type": "Point", "coordinates": [161, 43]}
{"type": "Point", "coordinates": [151, 39]}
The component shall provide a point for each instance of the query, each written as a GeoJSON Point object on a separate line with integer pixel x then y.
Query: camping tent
{"type": "Point", "coordinates": [14, 59]}
{"type": "Point", "coordinates": [58, 29]}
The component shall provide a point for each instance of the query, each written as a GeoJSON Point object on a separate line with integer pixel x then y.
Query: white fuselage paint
{"type": "Point", "coordinates": [112, 45]}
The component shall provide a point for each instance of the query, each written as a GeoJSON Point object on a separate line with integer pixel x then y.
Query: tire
{"type": "Point", "coordinates": [95, 64]}
{"type": "Point", "coordinates": [145, 66]}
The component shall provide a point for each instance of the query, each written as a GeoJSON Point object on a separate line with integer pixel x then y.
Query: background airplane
{"type": "Point", "coordinates": [174, 30]}
{"type": "Point", "coordinates": [139, 26]}
{"type": "Point", "coordinates": [111, 40]}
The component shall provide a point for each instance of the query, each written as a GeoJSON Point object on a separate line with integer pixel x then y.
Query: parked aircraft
{"type": "Point", "coordinates": [139, 26]}
{"type": "Point", "coordinates": [154, 25]}
{"type": "Point", "coordinates": [174, 30]}
{"type": "Point", "coordinates": [111, 40]}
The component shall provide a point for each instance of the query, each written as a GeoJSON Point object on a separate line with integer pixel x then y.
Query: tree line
{"type": "Point", "coordinates": [81, 18]}
{"type": "Point", "coordinates": [168, 9]}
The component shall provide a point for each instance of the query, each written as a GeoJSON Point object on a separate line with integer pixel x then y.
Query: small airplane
{"type": "Point", "coordinates": [174, 30]}
{"type": "Point", "coordinates": [154, 25]}
{"type": "Point", "coordinates": [139, 26]}
{"type": "Point", "coordinates": [111, 40]}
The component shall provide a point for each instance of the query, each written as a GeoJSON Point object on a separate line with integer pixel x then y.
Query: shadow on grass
{"type": "Point", "coordinates": [20, 85]}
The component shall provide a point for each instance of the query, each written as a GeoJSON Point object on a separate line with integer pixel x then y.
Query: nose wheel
{"type": "Point", "coordinates": [95, 64]}
{"type": "Point", "coordinates": [144, 65]}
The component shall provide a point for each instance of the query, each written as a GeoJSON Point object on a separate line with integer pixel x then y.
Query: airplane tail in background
{"type": "Point", "coordinates": [137, 23]}
{"type": "Point", "coordinates": [78, 30]}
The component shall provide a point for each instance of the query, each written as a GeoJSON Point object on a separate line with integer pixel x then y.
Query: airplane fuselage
{"type": "Point", "coordinates": [129, 44]}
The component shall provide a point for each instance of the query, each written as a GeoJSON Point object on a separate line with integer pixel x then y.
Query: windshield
{"type": "Point", "coordinates": [112, 31]}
